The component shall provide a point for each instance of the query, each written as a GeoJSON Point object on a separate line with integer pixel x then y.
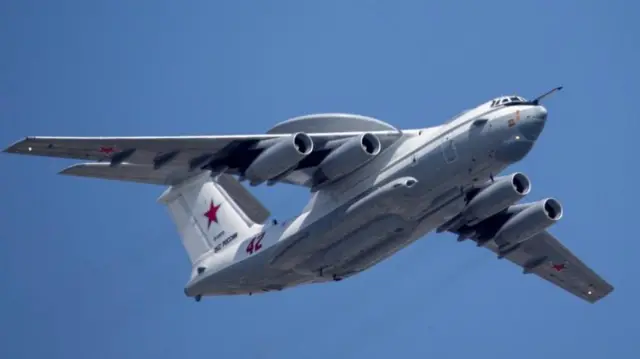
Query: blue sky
{"type": "Point", "coordinates": [95, 268]}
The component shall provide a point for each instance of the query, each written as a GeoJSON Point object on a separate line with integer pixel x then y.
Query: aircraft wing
{"type": "Point", "coordinates": [549, 259]}
{"type": "Point", "coordinates": [167, 160]}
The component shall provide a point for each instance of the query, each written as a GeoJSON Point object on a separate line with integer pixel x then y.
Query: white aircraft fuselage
{"type": "Point", "coordinates": [405, 192]}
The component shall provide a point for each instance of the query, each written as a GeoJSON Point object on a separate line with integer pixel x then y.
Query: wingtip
{"type": "Point", "coordinates": [15, 147]}
{"type": "Point", "coordinates": [24, 146]}
{"type": "Point", "coordinates": [598, 296]}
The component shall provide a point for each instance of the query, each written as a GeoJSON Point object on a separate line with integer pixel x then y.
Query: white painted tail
{"type": "Point", "coordinates": [206, 214]}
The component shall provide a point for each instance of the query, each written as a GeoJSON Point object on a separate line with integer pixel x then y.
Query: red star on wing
{"type": "Point", "coordinates": [212, 214]}
{"type": "Point", "coordinates": [107, 150]}
{"type": "Point", "coordinates": [559, 267]}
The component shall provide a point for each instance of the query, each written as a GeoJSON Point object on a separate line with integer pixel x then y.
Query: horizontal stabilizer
{"type": "Point", "coordinates": [148, 175]}
{"type": "Point", "coordinates": [247, 202]}
{"type": "Point", "coordinates": [129, 172]}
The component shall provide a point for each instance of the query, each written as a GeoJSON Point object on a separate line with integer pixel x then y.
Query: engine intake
{"type": "Point", "coordinates": [553, 209]}
{"type": "Point", "coordinates": [279, 158]}
{"type": "Point", "coordinates": [535, 218]}
{"type": "Point", "coordinates": [352, 154]}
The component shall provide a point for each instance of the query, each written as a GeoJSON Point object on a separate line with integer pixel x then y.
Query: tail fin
{"type": "Point", "coordinates": [206, 211]}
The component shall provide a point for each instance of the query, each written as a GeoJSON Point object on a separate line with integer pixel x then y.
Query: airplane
{"type": "Point", "coordinates": [374, 190]}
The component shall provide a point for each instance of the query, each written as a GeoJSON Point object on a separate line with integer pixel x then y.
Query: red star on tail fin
{"type": "Point", "coordinates": [212, 214]}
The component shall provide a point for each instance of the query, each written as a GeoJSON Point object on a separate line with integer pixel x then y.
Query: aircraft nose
{"type": "Point", "coordinates": [540, 112]}
{"type": "Point", "coordinates": [533, 123]}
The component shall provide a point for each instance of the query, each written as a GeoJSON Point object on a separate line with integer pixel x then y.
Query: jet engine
{"type": "Point", "coordinates": [350, 155]}
{"type": "Point", "coordinates": [499, 195]}
{"type": "Point", "coordinates": [280, 157]}
{"type": "Point", "coordinates": [533, 219]}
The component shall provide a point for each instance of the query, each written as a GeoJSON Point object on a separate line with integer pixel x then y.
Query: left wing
{"type": "Point", "coordinates": [168, 160]}
{"type": "Point", "coordinates": [549, 259]}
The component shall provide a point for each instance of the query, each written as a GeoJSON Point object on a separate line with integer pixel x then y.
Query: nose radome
{"type": "Point", "coordinates": [533, 124]}
{"type": "Point", "coordinates": [541, 112]}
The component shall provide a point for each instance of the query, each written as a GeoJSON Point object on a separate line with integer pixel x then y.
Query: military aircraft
{"type": "Point", "coordinates": [374, 190]}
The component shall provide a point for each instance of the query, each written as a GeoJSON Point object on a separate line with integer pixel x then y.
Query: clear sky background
{"type": "Point", "coordinates": [94, 269]}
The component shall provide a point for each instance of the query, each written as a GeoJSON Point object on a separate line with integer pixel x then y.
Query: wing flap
{"type": "Point", "coordinates": [546, 257]}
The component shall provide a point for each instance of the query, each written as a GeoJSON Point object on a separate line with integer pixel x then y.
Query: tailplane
{"type": "Point", "coordinates": [210, 212]}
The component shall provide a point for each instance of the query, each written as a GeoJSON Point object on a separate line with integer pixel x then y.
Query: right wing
{"type": "Point", "coordinates": [544, 256]}
{"type": "Point", "coordinates": [171, 159]}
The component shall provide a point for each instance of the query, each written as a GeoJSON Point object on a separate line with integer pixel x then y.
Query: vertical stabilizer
{"type": "Point", "coordinates": [206, 216]}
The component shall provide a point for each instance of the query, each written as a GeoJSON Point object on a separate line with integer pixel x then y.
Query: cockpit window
{"type": "Point", "coordinates": [507, 99]}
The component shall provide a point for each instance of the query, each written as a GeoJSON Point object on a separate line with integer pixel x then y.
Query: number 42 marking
{"type": "Point", "coordinates": [255, 243]}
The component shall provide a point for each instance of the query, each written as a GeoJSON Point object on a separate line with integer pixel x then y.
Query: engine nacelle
{"type": "Point", "coordinates": [499, 195]}
{"type": "Point", "coordinates": [350, 155]}
{"type": "Point", "coordinates": [533, 219]}
{"type": "Point", "coordinates": [279, 158]}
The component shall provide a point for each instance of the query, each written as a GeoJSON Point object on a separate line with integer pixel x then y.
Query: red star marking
{"type": "Point", "coordinates": [559, 267]}
{"type": "Point", "coordinates": [212, 214]}
{"type": "Point", "coordinates": [107, 150]}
